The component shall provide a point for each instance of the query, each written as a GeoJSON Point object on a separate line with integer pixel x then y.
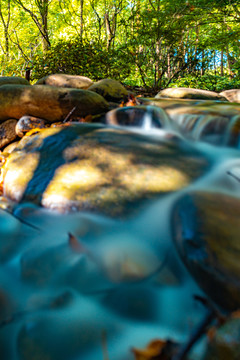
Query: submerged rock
{"type": "Point", "coordinates": [110, 89]}
{"type": "Point", "coordinates": [206, 233]}
{"type": "Point", "coordinates": [188, 93]}
{"type": "Point", "coordinates": [62, 334]}
{"type": "Point", "coordinates": [64, 80]}
{"type": "Point", "coordinates": [96, 168]}
{"type": "Point", "coordinates": [48, 102]}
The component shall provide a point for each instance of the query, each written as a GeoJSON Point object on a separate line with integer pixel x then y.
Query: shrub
{"type": "Point", "coordinates": [75, 57]}
{"type": "Point", "coordinates": [207, 82]}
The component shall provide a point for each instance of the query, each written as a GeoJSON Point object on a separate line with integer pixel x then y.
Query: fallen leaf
{"type": "Point", "coordinates": [157, 350]}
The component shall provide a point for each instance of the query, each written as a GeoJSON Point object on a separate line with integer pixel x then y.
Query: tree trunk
{"type": "Point", "coordinates": [81, 19]}
{"type": "Point", "coordinates": [5, 24]}
{"type": "Point", "coordinates": [168, 65]}
{"type": "Point", "coordinates": [222, 69]}
{"type": "Point", "coordinates": [40, 19]}
{"type": "Point", "coordinates": [202, 64]}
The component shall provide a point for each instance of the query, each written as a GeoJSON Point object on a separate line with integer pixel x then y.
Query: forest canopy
{"type": "Point", "coordinates": [149, 43]}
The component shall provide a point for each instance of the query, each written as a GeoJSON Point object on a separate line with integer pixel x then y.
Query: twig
{"type": "Point", "coordinates": [197, 334]}
{"type": "Point", "coordinates": [69, 114]}
{"type": "Point", "coordinates": [104, 345]}
{"type": "Point", "coordinates": [211, 306]}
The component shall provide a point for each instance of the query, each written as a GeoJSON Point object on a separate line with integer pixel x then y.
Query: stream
{"type": "Point", "coordinates": [85, 285]}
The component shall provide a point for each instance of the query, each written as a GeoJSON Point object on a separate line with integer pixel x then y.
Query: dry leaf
{"type": "Point", "coordinates": [156, 350]}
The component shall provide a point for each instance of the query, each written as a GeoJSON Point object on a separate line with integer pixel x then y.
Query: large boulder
{"type": "Point", "coordinates": [48, 102]}
{"type": "Point", "coordinates": [64, 80]}
{"type": "Point", "coordinates": [110, 89]}
{"type": "Point", "coordinates": [4, 80]}
{"type": "Point", "coordinates": [88, 166]}
{"type": "Point", "coordinates": [188, 93]}
{"type": "Point", "coordinates": [232, 95]}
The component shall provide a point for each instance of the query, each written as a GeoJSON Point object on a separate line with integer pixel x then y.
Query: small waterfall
{"type": "Point", "coordinates": [144, 118]}
{"type": "Point", "coordinates": [232, 132]}
{"type": "Point", "coordinates": [147, 122]}
{"type": "Point", "coordinates": [213, 122]}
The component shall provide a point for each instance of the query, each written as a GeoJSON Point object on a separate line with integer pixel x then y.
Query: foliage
{"type": "Point", "coordinates": [150, 43]}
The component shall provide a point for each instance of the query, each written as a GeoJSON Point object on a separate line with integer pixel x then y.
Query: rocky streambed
{"type": "Point", "coordinates": [117, 213]}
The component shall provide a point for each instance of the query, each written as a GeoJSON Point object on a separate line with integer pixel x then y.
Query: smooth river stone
{"type": "Point", "coordinates": [27, 123]}
{"type": "Point", "coordinates": [189, 93]}
{"type": "Point", "coordinates": [64, 80]}
{"type": "Point", "coordinates": [232, 95]}
{"type": "Point", "coordinates": [7, 132]}
{"type": "Point", "coordinates": [91, 167]}
{"type": "Point", "coordinates": [206, 233]}
{"type": "Point", "coordinates": [48, 102]}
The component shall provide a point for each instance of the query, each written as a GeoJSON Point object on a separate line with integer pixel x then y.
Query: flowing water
{"type": "Point", "coordinates": [116, 283]}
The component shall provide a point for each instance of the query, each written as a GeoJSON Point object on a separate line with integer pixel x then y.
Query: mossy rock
{"type": "Point", "coordinates": [90, 167]}
{"type": "Point", "coordinates": [48, 102]}
{"type": "Point", "coordinates": [5, 80]}
{"type": "Point", "coordinates": [110, 89]}
{"type": "Point", "coordinates": [64, 80]}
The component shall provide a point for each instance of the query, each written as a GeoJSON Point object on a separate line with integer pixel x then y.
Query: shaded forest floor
{"type": "Point", "coordinates": [141, 91]}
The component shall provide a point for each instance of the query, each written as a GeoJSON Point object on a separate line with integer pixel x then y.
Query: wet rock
{"type": "Point", "coordinates": [26, 123]}
{"type": "Point", "coordinates": [87, 166]}
{"type": "Point", "coordinates": [224, 343]}
{"type": "Point", "coordinates": [138, 116]}
{"type": "Point", "coordinates": [4, 80]}
{"type": "Point", "coordinates": [188, 93]}
{"type": "Point", "coordinates": [232, 95]}
{"type": "Point", "coordinates": [48, 102]}
{"type": "Point", "coordinates": [206, 233]}
{"type": "Point", "coordinates": [9, 148]}
{"type": "Point", "coordinates": [64, 80]}
{"type": "Point", "coordinates": [110, 89]}
{"type": "Point", "coordinates": [7, 132]}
